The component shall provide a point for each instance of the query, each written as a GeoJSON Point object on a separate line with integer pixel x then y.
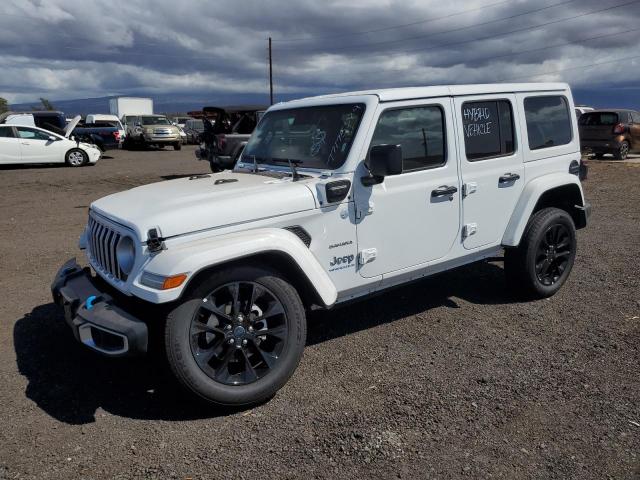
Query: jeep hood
{"type": "Point", "coordinates": [197, 203]}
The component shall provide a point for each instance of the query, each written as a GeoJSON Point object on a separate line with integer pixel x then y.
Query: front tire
{"type": "Point", "coordinates": [177, 146]}
{"type": "Point", "coordinates": [76, 158]}
{"type": "Point", "coordinates": [238, 337]}
{"type": "Point", "coordinates": [541, 264]}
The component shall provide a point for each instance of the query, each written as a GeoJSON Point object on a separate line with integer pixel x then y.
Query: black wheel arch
{"type": "Point", "coordinates": [277, 261]}
{"type": "Point", "coordinates": [565, 197]}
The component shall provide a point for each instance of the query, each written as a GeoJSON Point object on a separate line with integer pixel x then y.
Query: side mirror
{"type": "Point", "coordinates": [384, 160]}
{"type": "Point", "coordinates": [52, 138]}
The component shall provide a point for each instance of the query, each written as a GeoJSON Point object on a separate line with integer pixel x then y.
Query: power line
{"type": "Point", "coordinates": [569, 68]}
{"type": "Point", "coordinates": [384, 29]}
{"type": "Point", "coordinates": [556, 45]}
{"type": "Point", "coordinates": [518, 30]}
{"type": "Point", "coordinates": [466, 27]}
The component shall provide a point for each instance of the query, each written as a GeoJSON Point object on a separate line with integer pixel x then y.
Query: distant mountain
{"type": "Point", "coordinates": [161, 104]}
{"type": "Point", "coordinates": [628, 97]}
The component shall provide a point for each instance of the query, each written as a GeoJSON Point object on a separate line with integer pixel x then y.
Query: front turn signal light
{"type": "Point", "coordinates": [160, 282]}
{"type": "Point", "coordinates": [174, 281]}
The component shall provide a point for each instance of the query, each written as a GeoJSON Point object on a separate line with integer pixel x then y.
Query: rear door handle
{"type": "Point", "coordinates": [443, 191]}
{"type": "Point", "coordinates": [509, 177]}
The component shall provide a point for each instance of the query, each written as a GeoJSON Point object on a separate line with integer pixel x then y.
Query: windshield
{"type": "Point", "coordinates": [155, 121]}
{"type": "Point", "coordinates": [598, 118]}
{"type": "Point", "coordinates": [317, 137]}
{"type": "Point", "coordinates": [196, 125]}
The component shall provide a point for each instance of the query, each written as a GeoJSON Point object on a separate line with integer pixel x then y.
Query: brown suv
{"type": "Point", "coordinates": [610, 131]}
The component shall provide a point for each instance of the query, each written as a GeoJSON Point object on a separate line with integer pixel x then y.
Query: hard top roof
{"type": "Point", "coordinates": [408, 93]}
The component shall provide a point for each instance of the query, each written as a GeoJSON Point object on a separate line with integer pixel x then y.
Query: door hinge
{"type": "Point", "coordinates": [367, 255]}
{"type": "Point", "coordinates": [469, 188]}
{"type": "Point", "coordinates": [362, 212]}
{"type": "Point", "coordinates": [469, 229]}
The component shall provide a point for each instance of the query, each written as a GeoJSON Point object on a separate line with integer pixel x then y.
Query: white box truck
{"type": "Point", "coordinates": [121, 106]}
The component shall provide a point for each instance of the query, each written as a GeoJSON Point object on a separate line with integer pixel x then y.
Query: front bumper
{"type": "Point", "coordinates": [95, 319]}
{"type": "Point", "coordinates": [162, 138]}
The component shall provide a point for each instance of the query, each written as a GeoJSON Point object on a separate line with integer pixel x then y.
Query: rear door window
{"type": "Point", "coordinates": [635, 116]}
{"type": "Point", "coordinates": [548, 121]}
{"type": "Point", "coordinates": [488, 129]}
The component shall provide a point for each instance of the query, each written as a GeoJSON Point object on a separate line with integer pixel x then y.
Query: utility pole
{"type": "Point", "coordinates": [270, 75]}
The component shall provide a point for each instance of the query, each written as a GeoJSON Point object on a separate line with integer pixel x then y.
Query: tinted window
{"type": "Point", "coordinates": [30, 133]}
{"type": "Point", "coordinates": [635, 116]}
{"type": "Point", "coordinates": [420, 133]}
{"type": "Point", "coordinates": [599, 118]}
{"type": "Point", "coordinates": [548, 122]}
{"type": "Point", "coordinates": [488, 129]}
{"type": "Point", "coordinates": [47, 121]}
{"type": "Point", "coordinates": [6, 132]}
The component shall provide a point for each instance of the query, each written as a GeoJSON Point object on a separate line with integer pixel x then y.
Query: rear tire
{"type": "Point", "coordinates": [76, 158]}
{"type": "Point", "coordinates": [541, 264]}
{"type": "Point", "coordinates": [622, 152]}
{"type": "Point", "coordinates": [214, 343]}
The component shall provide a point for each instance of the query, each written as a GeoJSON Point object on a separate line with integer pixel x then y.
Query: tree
{"type": "Point", "coordinates": [4, 105]}
{"type": "Point", "coordinates": [46, 104]}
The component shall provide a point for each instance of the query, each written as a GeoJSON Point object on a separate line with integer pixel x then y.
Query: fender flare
{"type": "Point", "coordinates": [528, 201]}
{"type": "Point", "coordinates": [194, 257]}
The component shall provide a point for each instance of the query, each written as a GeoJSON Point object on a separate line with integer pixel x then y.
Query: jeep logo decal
{"type": "Point", "coordinates": [338, 263]}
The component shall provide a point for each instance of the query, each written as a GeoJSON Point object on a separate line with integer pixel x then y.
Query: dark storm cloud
{"type": "Point", "coordinates": [77, 48]}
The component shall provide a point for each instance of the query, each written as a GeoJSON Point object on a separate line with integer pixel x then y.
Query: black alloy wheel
{"type": "Point", "coordinates": [238, 333]}
{"type": "Point", "coordinates": [554, 251]}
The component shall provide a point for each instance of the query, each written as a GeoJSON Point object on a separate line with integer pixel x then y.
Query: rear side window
{"type": "Point", "coordinates": [420, 133]}
{"type": "Point", "coordinates": [548, 121]}
{"type": "Point", "coordinates": [488, 129]}
{"type": "Point", "coordinates": [599, 119]}
{"type": "Point", "coordinates": [635, 116]}
{"type": "Point", "coordinates": [6, 132]}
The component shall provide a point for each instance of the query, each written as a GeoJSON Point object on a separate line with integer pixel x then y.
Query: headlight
{"type": "Point", "coordinates": [148, 130]}
{"type": "Point", "coordinates": [126, 254]}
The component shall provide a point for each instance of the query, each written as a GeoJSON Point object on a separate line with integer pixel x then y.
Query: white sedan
{"type": "Point", "coordinates": [26, 144]}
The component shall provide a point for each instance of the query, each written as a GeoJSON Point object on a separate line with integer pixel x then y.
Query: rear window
{"type": "Point", "coordinates": [548, 121]}
{"type": "Point", "coordinates": [106, 123]}
{"type": "Point", "coordinates": [599, 118]}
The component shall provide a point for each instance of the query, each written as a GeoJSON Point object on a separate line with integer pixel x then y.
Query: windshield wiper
{"type": "Point", "coordinates": [293, 165]}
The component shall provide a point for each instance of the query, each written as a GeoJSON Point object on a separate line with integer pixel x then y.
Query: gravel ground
{"type": "Point", "coordinates": [446, 378]}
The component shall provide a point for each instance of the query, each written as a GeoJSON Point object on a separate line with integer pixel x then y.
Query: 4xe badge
{"type": "Point", "coordinates": [340, 263]}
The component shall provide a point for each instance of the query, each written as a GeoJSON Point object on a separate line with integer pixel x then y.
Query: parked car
{"type": "Point", "coordinates": [225, 134]}
{"type": "Point", "coordinates": [49, 120]}
{"type": "Point", "coordinates": [105, 134]}
{"type": "Point", "coordinates": [181, 121]}
{"type": "Point", "coordinates": [614, 131]}
{"type": "Point", "coordinates": [108, 120]}
{"type": "Point", "coordinates": [194, 127]}
{"type": "Point", "coordinates": [22, 144]}
{"type": "Point", "coordinates": [146, 130]}
{"type": "Point", "coordinates": [581, 109]}
{"type": "Point", "coordinates": [334, 198]}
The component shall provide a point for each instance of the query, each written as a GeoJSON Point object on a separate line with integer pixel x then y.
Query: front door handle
{"type": "Point", "coordinates": [443, 191]}
{"type": "Point", "coordinates": [509, 177]}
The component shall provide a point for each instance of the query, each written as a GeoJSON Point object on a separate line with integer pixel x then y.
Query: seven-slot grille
{"type": "Point", "coordinates": [103, 241]}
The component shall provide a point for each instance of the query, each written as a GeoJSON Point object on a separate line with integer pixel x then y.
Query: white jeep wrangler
{"type": "Point", "coordinates": [334, 197]}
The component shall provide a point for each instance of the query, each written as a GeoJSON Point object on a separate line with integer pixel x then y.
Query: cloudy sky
{"type": "Point", "coordinates": [67, 49]}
